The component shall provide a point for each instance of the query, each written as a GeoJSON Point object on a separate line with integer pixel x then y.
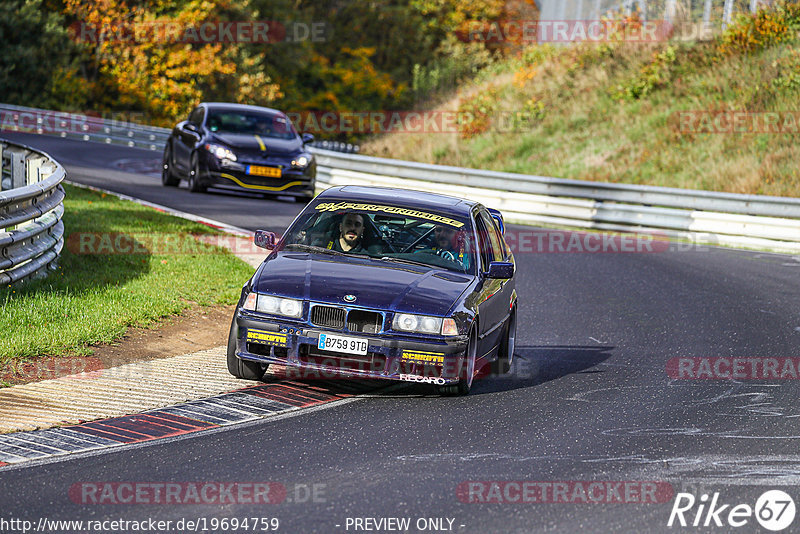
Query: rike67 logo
{"type": "Point", "coordinates": [774, 510]}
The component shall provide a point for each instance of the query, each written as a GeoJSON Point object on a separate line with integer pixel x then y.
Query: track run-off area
{"type": "Point", "coordinates": [616, 404]}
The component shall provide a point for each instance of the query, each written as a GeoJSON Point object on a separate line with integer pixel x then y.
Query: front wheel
{"type": "Point", "coordinates": [242, 368]}
{"type": "Point", "coordinates": [194, 176]}
{"type": "Point", "coordinates": [464, 384]}
{"type": "Point", "coordinates": [168, 178]}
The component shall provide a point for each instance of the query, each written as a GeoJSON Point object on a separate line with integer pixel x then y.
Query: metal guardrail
{"type": "Point", "coordinates": [82, 127]}
{"type": "Point", "coordinates": [31, 207]}
{"type": "Point", "coordinates": [701, 216]}
{"type": "Point", "coordinates": [114, 132]}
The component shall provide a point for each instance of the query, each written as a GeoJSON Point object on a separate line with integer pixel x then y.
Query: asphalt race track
{"type": "Point", "coordinates": [589, 400]}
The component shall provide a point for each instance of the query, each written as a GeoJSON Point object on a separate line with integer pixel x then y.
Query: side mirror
{"type": "Point", "coordinates": [190, 127]}
{"type": "Point", "coordinates": [497, 216]}
{"type": "Point", "coordinates": [307, 138]}
{"type": "Point", "coordinates": [264, 239]}
{"type": "Point", "coordinates": [500, 269]}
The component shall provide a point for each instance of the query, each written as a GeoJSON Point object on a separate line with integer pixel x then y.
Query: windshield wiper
{"type": "Point", "coordinates": [322, 250]}
{"type": "Point", "coordinates": [405, 260]}
{"type": "Point", "coordinates": [311, 248]}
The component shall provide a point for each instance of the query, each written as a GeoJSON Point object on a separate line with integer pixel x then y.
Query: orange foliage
{"type": "Point", "coordinates": [135, 69]}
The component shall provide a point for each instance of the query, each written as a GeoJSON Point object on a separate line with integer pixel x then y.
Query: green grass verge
{"type": "Point", "coordinates": [94, 298]}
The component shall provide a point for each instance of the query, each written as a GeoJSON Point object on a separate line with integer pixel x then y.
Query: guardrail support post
{"type": "Point", "coordinates": [2, 184]}
{"type": "Point", "coordinates": [33, 167]}
{"type": "Point", "coordinates": [18, 177]}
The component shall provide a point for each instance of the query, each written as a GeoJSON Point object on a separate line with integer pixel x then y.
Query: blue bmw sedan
{"type": "Point", "coordinates": [372, 282]}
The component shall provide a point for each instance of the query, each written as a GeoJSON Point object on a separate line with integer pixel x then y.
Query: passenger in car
{"type": "Point", "coordinates": [450, 245]}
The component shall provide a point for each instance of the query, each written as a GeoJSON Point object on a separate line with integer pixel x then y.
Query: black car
{"type": "Point", "coordinates": [234, 146]}
{"type": "Point", "coordinates": [372, 282]}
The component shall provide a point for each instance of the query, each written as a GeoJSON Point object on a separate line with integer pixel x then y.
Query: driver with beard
{"type": "Point", "coordinates": [351, 232]}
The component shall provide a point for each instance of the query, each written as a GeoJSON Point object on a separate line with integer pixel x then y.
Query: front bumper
{"type": "Point", "coordinates": [232, 175]}
{"type": "Point", "coordinates": [388, 357]}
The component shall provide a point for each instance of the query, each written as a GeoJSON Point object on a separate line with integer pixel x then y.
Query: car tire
{"type": "Point", "coordinates": [242, 368]}
{"type": "Point", "coordinates": [505, 354]}
{"type": "Point", "coordinates": [194, 176]}
{"type": "Point", "coordinates": [168, 178]}
{"type": "Point", "coordinates": [464, 384]}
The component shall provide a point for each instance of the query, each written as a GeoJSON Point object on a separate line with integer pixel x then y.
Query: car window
{"type": "Point", "coordinates": [276, 126]}
{"type": "Point", "coordinates": [484, 242]}
{"type": "Point", "coordinates": [196, 117]}
{"type": "Point", "coordinates": [390, 233]}
{"type": "Point", "coordinates": [498, 244]}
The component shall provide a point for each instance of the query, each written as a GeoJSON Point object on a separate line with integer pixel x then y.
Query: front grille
{"type": "Point", "coordinates": [364, 321]}
{"type": "Point", "coordinates": [259, 348]}
{"type": "Point", "coordinates": [372, 361]}
{"type": "Point", "coordinates": [328, 316]}
{"type": "Point", "coordinates": [267, 350]}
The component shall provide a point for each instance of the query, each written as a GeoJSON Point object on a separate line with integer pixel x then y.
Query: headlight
{"type": "Point", "coordinates": [301, 161]}
{"type": "Point", "coordinates": [424, 324]}
{"type": "Point", "coordinates": [220, 152]}
{"type": "Point", "coordinates": [273, 305]}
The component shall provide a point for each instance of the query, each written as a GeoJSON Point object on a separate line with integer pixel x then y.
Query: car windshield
{"type": "Point", "coordinates": [251, 123]}
{"type": "Point", "coordinates": [385, 233]}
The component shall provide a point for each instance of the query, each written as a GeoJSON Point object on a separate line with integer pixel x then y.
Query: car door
{"type": "Point", "coordinates": [491, 302]}
{"type": "Point", "coordinates": [187, 137]}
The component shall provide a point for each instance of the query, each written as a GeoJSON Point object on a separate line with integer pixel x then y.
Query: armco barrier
{"type": "Point", "coordinates": [31, 207]}
{"type": "Point", "coordinates": [700, 216]}
{"type": "Point", "coordinates": [91, 128]}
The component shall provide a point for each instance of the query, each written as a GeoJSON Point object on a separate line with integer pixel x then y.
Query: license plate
{"type": "Point", "coordinates": [271, 172]}
{"type": "Point", "coordinates": [348, 345]}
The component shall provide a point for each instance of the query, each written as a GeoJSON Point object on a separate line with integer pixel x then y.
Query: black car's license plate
{"type": "Point", "coordinates": [271, 172]}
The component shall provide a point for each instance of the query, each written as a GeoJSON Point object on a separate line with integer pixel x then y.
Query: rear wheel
{"type": "Point", "coordinates": [242, 368]}
{"type": "Point", "coordinates": [168, 178]}
{"type": "Point", "coordinates": [194, 176]}
{"type": "Point", "coordinates": [467, 374]}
